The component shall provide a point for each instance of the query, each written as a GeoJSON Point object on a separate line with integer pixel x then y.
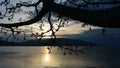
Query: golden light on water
{"type": "Point", "coordinates": [47, 58]}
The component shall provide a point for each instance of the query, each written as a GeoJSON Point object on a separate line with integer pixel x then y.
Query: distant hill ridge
{"type": "Point", "coordinates": [48, 42]}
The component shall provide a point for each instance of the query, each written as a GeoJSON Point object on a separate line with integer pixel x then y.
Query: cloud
{"type": "Point", "coordinates": [112, 36]}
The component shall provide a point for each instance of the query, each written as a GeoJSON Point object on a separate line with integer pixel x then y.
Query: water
{"type": "Point", "coordinates": [38, 57]}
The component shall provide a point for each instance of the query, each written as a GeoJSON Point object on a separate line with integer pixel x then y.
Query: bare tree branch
{"type": "Point", "coordinates": [34, 20]}
{"type": "Point", "coordinates": [103, 18]}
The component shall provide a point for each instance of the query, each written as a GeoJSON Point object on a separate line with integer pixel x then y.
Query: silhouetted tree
{"type": "Point", "coordinates": [92, 12]}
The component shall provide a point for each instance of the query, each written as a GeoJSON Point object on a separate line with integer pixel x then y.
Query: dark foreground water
{"type": "Point", "coordinates": [38, 57]}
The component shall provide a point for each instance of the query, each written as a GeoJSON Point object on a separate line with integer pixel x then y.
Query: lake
{"type": "Point", "coordinates": [38, 57]}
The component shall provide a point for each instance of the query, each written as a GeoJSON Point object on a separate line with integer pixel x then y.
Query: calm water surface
{"type": "Point", "coordinates": [38, 57]}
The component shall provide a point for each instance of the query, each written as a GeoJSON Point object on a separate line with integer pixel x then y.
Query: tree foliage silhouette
{"type": "Point", "coordinates": [92, 12]}
{"type": "Point", "coordinates": [63, 10]}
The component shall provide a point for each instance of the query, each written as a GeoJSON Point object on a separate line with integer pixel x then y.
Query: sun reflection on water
{"type": "Point", "coordinates": [42, 59]}
{"type": "Point", "coordinates": [47, 58]}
